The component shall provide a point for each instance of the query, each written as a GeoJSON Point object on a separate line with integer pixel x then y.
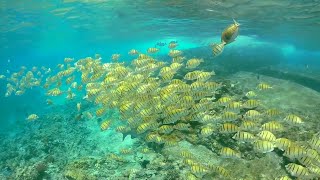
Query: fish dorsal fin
{"type": "Point", "coordinates": [236, 23]}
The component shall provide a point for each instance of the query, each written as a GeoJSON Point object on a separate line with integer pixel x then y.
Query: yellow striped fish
{"type": "Point", "coordinates": [267, 136]}
{"type": "Point", "coordinates": [229, 153]}
{"type": "Point", "coordinates": [272, 126]}
{"type": "Point", "coordinates": [244, 136]}
{"type": "Point", "coordinates": [199, 170]}
{"type": "Point", "coordinates": [206, 131]}
{"type": "Point", "coordinates": [217, 49]}
{"type": "Point", "coordinates": [263, 146]}
{"type": "Point", "coordinates": [228, 128]}
{"type": "Point", "coordinates": [315, 143]}
{"type": "Point", "coordinates": [248, 125]}
{"type": "Point", "coordinates": [294, 119]}
{"type": "Point", "coordinates": [294, 152]}
{"type": "Point", "coordinates": [105, 125]}
{"type": "Point", "coordinates": [306, 161]}
{"type": "Point", "coordinates": [263, 86]}
{"type": "Point", "coordinates": [297, 170]}
{"type": "Point", "coordinates": [283, 143]}
{"type": "Point", "coordinates": [229, 116]}
{"type": "Point", "coordinates": [284, 178]}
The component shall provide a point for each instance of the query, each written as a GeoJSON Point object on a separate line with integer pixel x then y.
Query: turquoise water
{"type": "Point", "coordinates": [277, 45]}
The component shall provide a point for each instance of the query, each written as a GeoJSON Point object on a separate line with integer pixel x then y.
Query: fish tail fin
{"type": "Point", "coordinates": [236, 23]}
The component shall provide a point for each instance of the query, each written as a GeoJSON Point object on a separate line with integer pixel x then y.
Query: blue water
{"type": "Point", "coordinates": [282, 36]}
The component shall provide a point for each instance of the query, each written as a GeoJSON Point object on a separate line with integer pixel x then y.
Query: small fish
{"type": "Point", "coordinates": [165, 129]}
{"type": "Point", "coordinates": [283, 143]}
{"type": "Point", "coordinates": [315, 143]}
{"type": "Point", "coordinates": [272, 112]}
{"type": "Point", "coordinates": [284, 178]}
{"type": "Point", "coordinates": [217, 49]}
{"type": "Point", "coordinates": [228, 128]}
{"type": "Point", "coordinates": [49, 102]}
{"type": "Point", "coordinates": [229, 153]}
{"type": "Point", "coordinates": [243, 136]}
{"type": "Point", "coordinates": [174, 53]}
{"type": "Point", "coordinates": [206, 131]}
{"type": "Point", "coordinates": [251, 104]}
{"type": "Point", "coordinates": [251, 94]}
{"type": "Point", "coordinates": [222, 172]}
{"type": "Point", "coordinates": [78, 106]}
{"type": "Point", "coordinates": [263, 146]}
{"type": "Point", "coordinates": [267, 136]}
{"type": "Point", "coordinates": [173, 44]}
{"type": "Point", "coordinates": [19, 93]}
{"type": "Point", "coordinates": [133, 52]}
{"type": "Point", "coordinates": [264, 86]}
{"type": "Point", "coordinates": [161, 44]}
{"type": "Point", "coordinates": [272, 126]}
{"type": "Point", "coordinates": [252, 114]}
{"type": "Point", "coordinates": [294, 119]}
{"type": "Point", "coordinates": [105, 125]}
{"type": "Point", "coordinates": [306, 161]}
{"type": "Point", "coordinates": [193, 63]}
{"type": "Point", "coordinates": [234, 107]}
{"type": "Point", "coordinates": [190, 162]}
{"type": "Point", "coordinates": [152, 50]}
{"type": "Point", "coordinates": [187, 154]}
{"type": "Point", "coordinates": [229, 116]}
{"type": "Point", "coordinates": [32, 117]}
{"type": "Point", "coordinates": [199, 170]}
{"type": "Point", "coordinates": [248, 125]}
{"type": "Point", "coordinates": [115, 57]}
{"type": "Point", "coordinates": [223, 101]}
{"type": "Point", "coordinates": [125, 151]}
{"type": "Point", "coordinates": [297, 170]}
{"type": "Point", "coordinates": [294, 152]}
{"type": "Point", "coordinates": [145, 150]}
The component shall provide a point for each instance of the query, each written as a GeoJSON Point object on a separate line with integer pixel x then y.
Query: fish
{"type": "Point", "coordinates": [243, 136]}
{"type": "Point", "coordinates": [263, 146]}
{"type": "Point", "coordinates": [161, 44]}
{"type": "Point", "coordinates": [272, 126]}
{"type": "Point", "coordinates": [267, 136]}
{"type": "Point", "coordinates": [264, 86]}
{"type": "Point", "coordinates": [133, 52]}
{"type": "Point", "coordinates": [295, 151]}
{"type": "Point", "coordinates": [228, 128]}
{"type": "Point", "coordinates": [217, 49]}
{"type": "Point", "coordinates": [199, 170]}
{"type": "Point", "coordinates": [283, 143]}
{"type": "Point", "coordinates": [206, 131]}
{"type": "Point", "coordinates": [152, 50]}
{"type": "Point", "coordinates": [250, 94]}
{"type": "Point", "coordinates": [284, 178]}
{"type": "Point", "coordinates": [193, 63]}
{"type": "Point", "coordinates": [105, 125]}
{"type": "Point", "coordinates": [230, 34]}
{"type": "Point", "coordinates": [297, 170]}
{"type": "Point", "coordinates": [32, 117]}
{"type": "Point", "coordinates": [78, 106]}
{"type": "Point", "coordinates": [229, 153]}
{"type": "Point", "coordinates": [294, 119]}
{"type": "Point", "coordinates": [173, 44]}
